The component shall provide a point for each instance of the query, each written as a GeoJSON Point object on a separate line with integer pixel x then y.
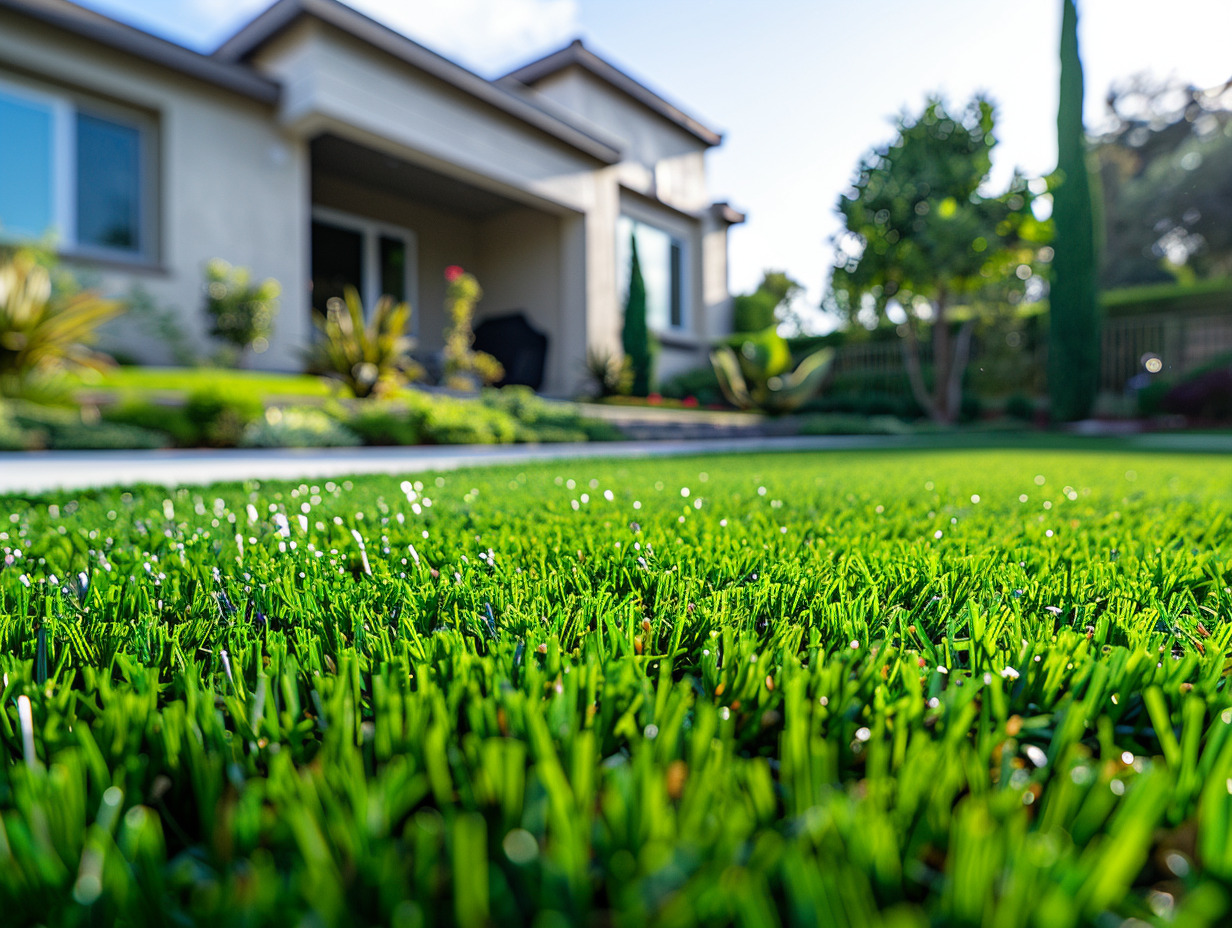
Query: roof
{"type": "Point", "coordinates": [96, 27]}
{"type": "Point", "coordinates": [284, 13]}
{"type": "Point", "coordinates": [575, 54]}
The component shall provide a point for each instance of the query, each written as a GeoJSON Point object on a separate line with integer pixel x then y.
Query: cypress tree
{"type": "Point", "coordinates": [635, 336]}
{"type": "Point", "coordinates": [1074, 319]}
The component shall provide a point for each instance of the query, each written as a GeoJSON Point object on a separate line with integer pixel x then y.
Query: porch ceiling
{"type": "Point", "coordinates": [341, 158]}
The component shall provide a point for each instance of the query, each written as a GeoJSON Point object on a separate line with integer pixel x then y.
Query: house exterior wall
{"type": "Point", "coordinates": [519, 266]}
{"type": "Point", "coordinates": [661, 161]}
{"type": "Point", "coordinates": [231, 184]}
{"type": "Point", "coordinates": [334, 81]}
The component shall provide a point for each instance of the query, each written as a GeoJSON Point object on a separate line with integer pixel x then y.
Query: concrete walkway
{"type": "Point", "coordinates": [34, 472]}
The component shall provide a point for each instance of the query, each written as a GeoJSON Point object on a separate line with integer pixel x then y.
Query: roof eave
{"type": "Point", "coordinates": [139, 44]}
{"type": "Point", "coordinates": [282, 14]}
{"type": "Point", "coordinates": [576, 54]}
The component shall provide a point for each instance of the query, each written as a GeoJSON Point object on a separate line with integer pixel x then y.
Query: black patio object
{"type": "Point", "coordinates": [521, 348]}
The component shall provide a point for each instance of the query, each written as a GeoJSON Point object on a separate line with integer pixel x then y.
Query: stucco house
{"type": "Point", "coordinates": [317, 146]}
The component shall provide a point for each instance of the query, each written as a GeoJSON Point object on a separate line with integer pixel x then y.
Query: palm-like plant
{"type": "Point", "coordinates": [761, 375]}
{"type": "Point", "coordinates": [43, 331]}
{"type": "Point", "coordinates": [371, 358]}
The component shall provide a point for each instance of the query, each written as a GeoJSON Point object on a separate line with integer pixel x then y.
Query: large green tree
{"type": "Point", "coordinates": [1074, 317]}
{"type": "Point", "coordinates": [769, 304]}
{"type": "Point", "coordinates": [924, 238]}
{"type": "Point", "coordinates": [1165, 183]}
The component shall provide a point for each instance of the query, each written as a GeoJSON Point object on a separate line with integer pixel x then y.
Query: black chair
{"type": "Point", "coordinates": [521, 348]}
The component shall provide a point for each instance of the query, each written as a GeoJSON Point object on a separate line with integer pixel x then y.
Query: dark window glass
{"type": "Point", "coordinates": [337, 263]}
{"type": "Point", "coordinates": [677, 285]}
{"type": "Point", "coordinates": [25, 167]}
{"type": "Point", "coordinates": [393, 268]}
{"type": "Point", "coordinates": [108, 184]}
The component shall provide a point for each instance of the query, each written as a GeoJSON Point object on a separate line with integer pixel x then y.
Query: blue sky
{"type": "Point", "coordinates": [802, 88]}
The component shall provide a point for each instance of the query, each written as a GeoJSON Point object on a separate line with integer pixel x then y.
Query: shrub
{"type": "Point", "coordinates": [1020, 406]}
{"type": "Point", "coordinates": [61, 429]}
{"type": "Point", "coordinates": [241, 313]}
{"type": "Point", "coordinates": [371, 358]}
{"type": "Point", "coordinates": [464, 367]}
{"type": "Point", "coordinates": [759, 375]}
{"type": "Point", "coordinates": [1202, 395]}
{"type": "Point", "coordinates": [700, 383]}
{"type": "Point", "coordinates": [840, 424]}
{"type": "Point", "coordinates": [609, 373]}
{"type": "Point", "coordinates": [461, 422]}
{"type": "Point", "coordinates": [387, 422]}
{"type": "Point", "coordinates": [297, 427]}
{"type": "Point", "coordinates": [219, 416]}
{"type": "Point", "coordinates": [44, 330]}
{"type": "Point", "coordinates": [169, 420]}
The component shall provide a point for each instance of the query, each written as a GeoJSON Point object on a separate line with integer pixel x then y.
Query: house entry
{"type": "Point", "coordinates": [374, 258]}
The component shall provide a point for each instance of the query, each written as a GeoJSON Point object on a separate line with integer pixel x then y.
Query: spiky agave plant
{"type": "Point", "coordinates": [761, 377]}
{"type": "Point", "coordinates": [370, 357]}
{"type": "Point", "coordinates": [42, 331]}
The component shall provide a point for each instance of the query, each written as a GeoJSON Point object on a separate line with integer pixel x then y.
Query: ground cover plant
{"type": "Point", "coordinates": [902, 689]}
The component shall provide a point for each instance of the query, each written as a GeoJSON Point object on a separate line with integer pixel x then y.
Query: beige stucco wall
{"type": "Point", "coordinates": [231, 183]}
{"type": "Point", "coordinates": [662, 161]}
{"type": "Point", "coordinates": [519, 266]}
{"type": "Point", "coordinates": [336, 82]}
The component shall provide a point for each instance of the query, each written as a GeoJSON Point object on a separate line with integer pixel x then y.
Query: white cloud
{"type": "Point", "coordinates": [489, 36]}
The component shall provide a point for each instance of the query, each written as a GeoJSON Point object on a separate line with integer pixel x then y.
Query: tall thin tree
{"type": "Point", "coordinates": [1074, 325]}
{"type": "Point", "coordinates": [635, 335]}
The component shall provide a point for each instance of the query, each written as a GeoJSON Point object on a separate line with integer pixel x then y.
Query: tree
{"type": "Point", "coordinates": [769, 304]}
{"type": "Point", "coordinates": [635, 336]}
{"type": "Point", "coordinates": [1074, 317]}
{"type": "Point", "coordinates": [1164, 163]}
{"type": "Point", "coordinates": [923, 239]}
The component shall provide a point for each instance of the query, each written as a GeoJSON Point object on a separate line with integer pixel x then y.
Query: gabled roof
{"type": "Point", "coordinates": [575, 54]}
{"type": "Point", "coordinates": [284, 13]}
{"type": "Point", "coordinates": [96, 27]}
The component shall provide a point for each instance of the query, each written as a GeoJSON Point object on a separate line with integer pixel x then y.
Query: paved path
{"type": "Point", "coordinates": [34, 472]}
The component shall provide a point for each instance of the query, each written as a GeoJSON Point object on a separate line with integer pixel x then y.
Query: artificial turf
{"type": "Point", "coordinates": [897, 688]}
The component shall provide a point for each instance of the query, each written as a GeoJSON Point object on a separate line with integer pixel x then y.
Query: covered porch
{"type": "Point", "coordinates": [386, 223]}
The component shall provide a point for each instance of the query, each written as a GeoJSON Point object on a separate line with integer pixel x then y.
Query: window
{"type": "Point", "coordinates": [374, 258]}
{"type": "Point", "coordinates": [76, 170]}
{"type": "Point", "coordinates": [662, 260]}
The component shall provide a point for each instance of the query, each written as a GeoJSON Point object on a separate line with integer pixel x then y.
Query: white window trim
{"type": "Point", "coordinates": [64, 108]}
{"type": "Point", "coordinates": [372, 230]}
{"type": "Point", "coordinates": [686, 277]}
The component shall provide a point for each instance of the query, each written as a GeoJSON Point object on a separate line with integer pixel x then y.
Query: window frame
{"type": "Point", "coordinates": [683, 282]}
{"type": "Point", "coordinates": [65, 106]}
{"type": "Point", "coordinates": [372, 230]}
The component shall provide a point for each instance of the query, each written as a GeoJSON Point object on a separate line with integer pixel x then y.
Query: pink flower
{"type": "Point", "coordinates": [453, 272]}
{"type": "Point", "coordinates": [655, 399]}
{"type": "Point", "coordinates": [690, 401]}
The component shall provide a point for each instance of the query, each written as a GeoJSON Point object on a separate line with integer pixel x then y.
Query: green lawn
{"type": "Point", "coordinates": [265, 384]}
{"type": "Point", "coordinates": [974, 688]}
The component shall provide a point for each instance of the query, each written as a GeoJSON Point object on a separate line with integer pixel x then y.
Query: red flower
{"type": "Point", "coordinates": [453, 272]}
{"type": "Point", "coordinates": [689, 401]}
{"type": "Point", "coordinates": [655, 399]}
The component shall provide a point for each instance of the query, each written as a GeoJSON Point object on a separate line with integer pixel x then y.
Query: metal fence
{"type": "Point", "coordinates": [1131, 347]}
